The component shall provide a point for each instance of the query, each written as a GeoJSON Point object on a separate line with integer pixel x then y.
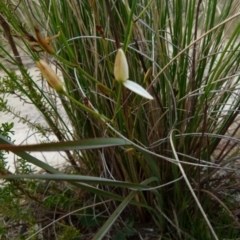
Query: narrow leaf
{"type": "Point", "coordinates": [70, 145]}
{"type": "Point", "coordinates": [78, 178]}
{"type": "Point", "coordinates": [107, 225]}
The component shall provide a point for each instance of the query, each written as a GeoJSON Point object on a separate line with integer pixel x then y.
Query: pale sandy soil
{"type": "Point", "coordinates": [22, 133]}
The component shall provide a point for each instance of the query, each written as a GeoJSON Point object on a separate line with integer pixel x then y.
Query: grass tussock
{"type": "Point", "coordinates": [165, 168]}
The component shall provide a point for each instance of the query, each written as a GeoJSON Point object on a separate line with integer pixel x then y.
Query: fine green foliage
{"type": "Point", "coordinates": [170, 162]}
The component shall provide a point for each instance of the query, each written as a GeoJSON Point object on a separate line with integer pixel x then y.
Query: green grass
{"type": "Point", "coordinates": [135, 164]}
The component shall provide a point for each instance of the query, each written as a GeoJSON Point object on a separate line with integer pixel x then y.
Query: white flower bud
{"type": "Point", "coordinates": [121, 66]}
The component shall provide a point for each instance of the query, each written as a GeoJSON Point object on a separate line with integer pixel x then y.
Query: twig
{"type": "Point", "coordinates": [9, 37]}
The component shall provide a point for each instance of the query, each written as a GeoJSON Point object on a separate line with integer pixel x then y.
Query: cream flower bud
{"type": "Point", "coordinates": [121, 74]}
{"type": "Point", "coordinates": [50, 75]}
{"type": "Point", "coordinates": [121, 66]}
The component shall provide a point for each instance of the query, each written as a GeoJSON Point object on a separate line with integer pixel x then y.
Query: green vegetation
{"type": "Point", "coordinates": [139, 169]}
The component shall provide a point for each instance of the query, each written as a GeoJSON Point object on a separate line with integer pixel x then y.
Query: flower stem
{"type": "Point", "coordinates": [84, 107]}
{"type": "Point", "coordinates": [118, 100]}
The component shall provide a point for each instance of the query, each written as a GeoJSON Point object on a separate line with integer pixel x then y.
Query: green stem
{"type": "Point", "coordinates": [118, 100]}
{"type": "Point", "coordinates": [84, 107]}
{"type": "Point", "coordinates": [77, 67]}
{"type": "Point", "coordinates": [130, 23]}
